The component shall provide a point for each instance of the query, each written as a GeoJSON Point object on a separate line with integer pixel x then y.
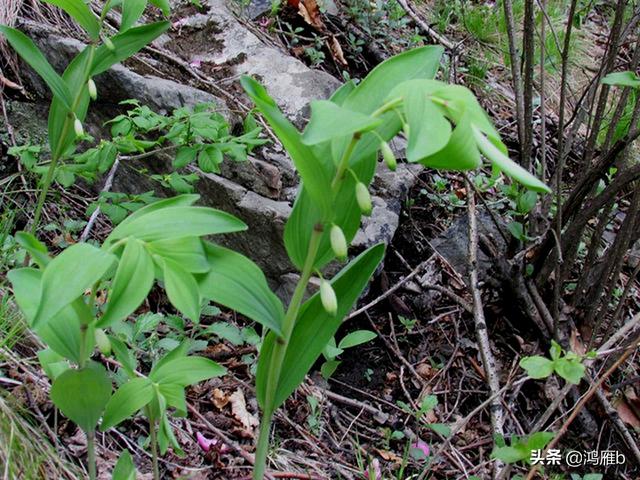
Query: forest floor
{"type": "Point", "coordinates": [399, 396]}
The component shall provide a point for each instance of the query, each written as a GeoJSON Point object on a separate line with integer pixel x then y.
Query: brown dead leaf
{"type": "Point", "coordinates": [626, 413]}
{"type": "Point", "coordinates": [389, 456]}
{"type": "Point", "coordinates": [219, 398]}
{"type": "Point", "coordinates": [575, 342]}
{"type": "Point", "coordinates": [425, 370]}
{"type": "Point", "coordinates": [240, 412]}
{"type": "Point", "coordinates": [336, 50]}
{"type": "Point", "coordinates": [309, 10]}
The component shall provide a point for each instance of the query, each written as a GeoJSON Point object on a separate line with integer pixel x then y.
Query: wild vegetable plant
{"type": "Point", "coordinates": [336, 157]}
{"type": "Point", "coordinates": [75, 88]}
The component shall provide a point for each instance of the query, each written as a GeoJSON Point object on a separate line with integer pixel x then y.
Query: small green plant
{"type": "Point", "coordinates": [427, 404]}
{"type": "Point", "coordinates": [521, 448]}
{"type": "Point", "coordinates": [408, 324]}
{"type": "Point", "coordinates": [314, 420]}
{"type": "Point", "coordinates": [331, 351]}
{"type": "Point", "coordinates": [569, 366]}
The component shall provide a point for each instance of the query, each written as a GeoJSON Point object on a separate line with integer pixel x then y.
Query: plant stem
{"type": "Point", "coordinates": [69, 119]}
{"type": "Point", "coordinates": [279, 350]}
{"type": "Point", "coordinates": [154, 445]}
{"type": "Point", "coordinates": [91, 454]}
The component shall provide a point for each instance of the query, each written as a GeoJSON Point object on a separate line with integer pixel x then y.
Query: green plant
{"type": "Point", "coordinates": [522, 447]}
{"type": "Point", "coordinates": [428, 403]}
{"type": "Point", "coordinates": [569, 366]}
{"type": "Point", "coordinates": [332, 351]}
{"type": "Point", "coordinates": [73, 90]}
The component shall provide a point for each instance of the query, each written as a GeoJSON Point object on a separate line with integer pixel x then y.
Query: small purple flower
{"type": "Point", "coordinates": [196, 63]}
{"type": "Point", "coordinates": [204, 442]}
{"type": "Point", "coordinates": [377, 472]}
{"type": "Point", "coordinates": [420, 450]}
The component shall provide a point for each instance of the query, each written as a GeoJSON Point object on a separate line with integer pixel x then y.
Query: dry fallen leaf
{"type": "Point", "coordinates": [336, 50]}
{"type": "Point", "coordinates": [239, 410]}
{"type": "Point", "coordinates": [626, 414]}
{"type": "Point", "coordinates": [309, 10]}
{"type": "Point", "coordinates": [219, 398]}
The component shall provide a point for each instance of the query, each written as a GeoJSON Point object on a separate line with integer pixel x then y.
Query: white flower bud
{"type": "Point", "coordinates": [77, 126]}
{"type": "Point", "coordinates": [363, 198]}
{"type": "Point", "coordinates": [93, 91]}
{"type": "Point", "coordinates": [338, 242]}
{"type": "Point", "coordinates": [328, 297]}
{"type": "Point", "coordinates": [102, 341]}
{"type": "Point", "coordinates": [388, 156]}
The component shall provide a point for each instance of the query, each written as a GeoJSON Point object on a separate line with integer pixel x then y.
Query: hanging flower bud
{"type": "Point", "coordinates": [338, 242]}
{"type": "Point", "coordinates": [93, 91]}
{"type": "Point", "coordinates": [77, 126]}
{"type": "Point", "coordinates": [363, 198]}
{"type": "Point", "coordinates": [102, 341]}
{"type": "Point", "coordinates": [328, 297]}
{"type": "Point", "coordinates": [109, 44]}
{"type": "Point", "coordinates": [388, 156]}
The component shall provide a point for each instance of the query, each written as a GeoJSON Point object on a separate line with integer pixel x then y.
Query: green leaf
{"type": "Point", "coordinates": [356, 338]}
{"type": "Point", "coordinates": [440, 429]}
{"type": "Point", "coordinates": [506, 165]}
{"type": "Point", "coordinates": [67, 277]}
{"type": "Point", "coordinates": [622, 79]}
{"type": "Point", "coordinates": [35, 247]}
{"type": "Point", "coordinates": [315, 176]}
{"type": "Point", "coordinates": [124, 469]}
{"type": "Point", "coordinates": [178, 201]}
{"type": "Point", "coordinates": [461, 153]}
{"type": "Point", "coordinates": [209, 159]}
{"type": "Point", "coordinates": [429, 130]}
{"type": "Point", "coordinates": [126, 358]}
{"type": "Point", "coordinates": [162, 5]}
{"type": "Point", "coordinates": [185, 371]}
{"type": "Point", "coordinates": [329, 121]}
{"type": "Point", "coordinates": [82, 394]}
{"type": "Point", "coordinates": [174, 394]}
{"type": "Point", "coordinates": [182, 289]}
{"type": "Point", "coordinates": [537, 366]}
{"type": "Point", "coordinates": [81, 13]}
{"type": "Point", "coordinates": [328, 368]}
{"type": "Point", "coordinates": [131, 285]}
{"type": "Point", "coordinates": [36, 60]}
{"type": "Point", "coordinates": [127, 400]}
{"type": "Point", "coordinates": [237, 283]}
{"type": "Point", "coordinates": [184, 156]}
{"type": "Point", "coordinates": [177, 222]}
{"type": "Point", "coordinates": [422, 62]}
{"type": "Point", "coordinates": [52, 363]}
{"type": "Point", "coordinates": [572, 370]}
{"type": "Point", "coordinates": [187, 251]}
{"type": "Point", "coordinates": [131, 11]}
{"type": "Point", "coordinates": [315, 327]}
{"type": "Point", "coordinates": [126, 44]}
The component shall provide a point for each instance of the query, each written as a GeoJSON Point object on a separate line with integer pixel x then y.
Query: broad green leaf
{"type": "Point", "coordinates": [36, 60]}
{"type": "Point", "coordinates": [429, 130]}
{"type": "Point", "coordinates": [506, 165]}
{"type": "Point", "coordinates": [185, 371]}
{"type": "Point", "coordinates": [131, 11]}
{"type": "Point", "coordinates": [127, 400]}
{"type": "Point", "coordinates": [315, 174]}
{"type": "Point", "coordinates": [237, 283]}
{"type": "Point", "coordinates": [622, 79]}
{"type": "Point", "coordinates": [328, 368]}
{"type": "Point", "coordinates": [162, 5]}
{"type": "Point", "coordinates": [461, 153]}
{"type": "Point", "coordinates": [177, 222]}
{"type": "Point", "coordinates": [315, 327]}
{"type": "Point", "coordinates": [126, 44]}
{"type": "Point", "coordinates": [52, 363]}
{"type": "Point", "coordinates": [539, 440]}
{"type": "Point", "coordinates": [185, 200]}
{"type": "Point", "coordinates": [35, 247]}
{"type": "Point", "coordinates": [182, 289]}
{"type": "Point", "coordinates": [440, 429]}
{"type": "Point", "coordinates": [67, 277]}
{"type": "Point", "coordinates": [174, 394]}
{"type": "Point", "coordinates": [329, 121]}
{"type": "Point", "coordinates": [187, 251]}
{"type": "Point", "coordinates": [180, 351]}
{"type": "Point", "coordinates": [81, 13]}
{"type": "Point", "coordinates": [422, 62]}
{"type": "Point", "coordinates": [82, 394]}
{"type": "Point", "coordinates": [62, 332]}
{"type": "Point", "coordinates": [131, 285]}
{"type": "Point", "coordinates": [126, 358]}
{"type": "Point", "coordinates": [356, 338]}
{"type": "Point", "coordinates": [125, 468]}
{"type": "Point", "coordinates": [537, 366]}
